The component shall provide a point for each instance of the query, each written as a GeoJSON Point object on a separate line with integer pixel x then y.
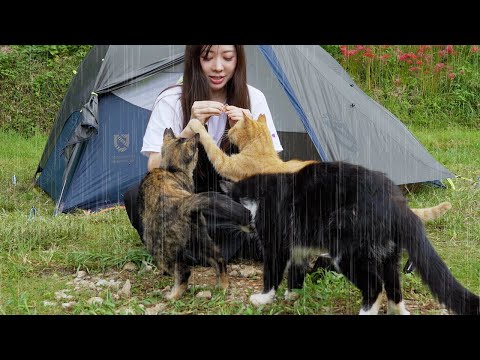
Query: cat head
{"type": "Point", "coordinates": [247, 129]}
{"type": "Point", "coordinates": [246, 189]}
{"type": "Point", "coordinates": [179, 154]}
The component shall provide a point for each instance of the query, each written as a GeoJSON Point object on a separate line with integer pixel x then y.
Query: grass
{"type": "Point", "coordinates": [40, 255]}
{"type": "Point", "coordinates": [34, 79]}
{"type": "Point", "coordinates": [457, 234]}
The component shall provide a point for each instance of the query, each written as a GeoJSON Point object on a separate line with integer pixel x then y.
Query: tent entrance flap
{"type": "Point", "coordinates": [68, 174]}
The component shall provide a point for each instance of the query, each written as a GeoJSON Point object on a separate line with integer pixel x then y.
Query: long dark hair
{"type": "Point", "coordinates": [196, 87]}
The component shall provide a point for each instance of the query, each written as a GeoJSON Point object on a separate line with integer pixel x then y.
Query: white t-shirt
{"type": "Point", "coordinates": [167, 113]}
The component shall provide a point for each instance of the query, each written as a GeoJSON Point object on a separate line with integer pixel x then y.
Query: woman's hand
{"type": "Point", "coordinates": [202, 110]}
{"type": "Point", "coordinates": [235, 113]}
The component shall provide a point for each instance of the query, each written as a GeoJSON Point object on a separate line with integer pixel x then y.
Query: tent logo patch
{"type": "Point", "coordinates": [121, 142]}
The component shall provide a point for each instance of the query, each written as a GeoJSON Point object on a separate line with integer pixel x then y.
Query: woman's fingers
{"type": "Point", "coordinates": [207, 105]}
{"type": "Point", "coordinates": [236, 114]}
{"type": "Point", "coordinates": [202, 110]}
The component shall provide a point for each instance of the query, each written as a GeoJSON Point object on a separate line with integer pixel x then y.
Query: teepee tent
{"type": "Point", "coordinates": [93, 152]}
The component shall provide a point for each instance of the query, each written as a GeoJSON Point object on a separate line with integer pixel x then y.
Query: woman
{"type": "Point", "coordinates": [214, 91]}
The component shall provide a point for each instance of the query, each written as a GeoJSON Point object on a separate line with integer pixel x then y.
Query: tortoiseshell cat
{"type": "Point", "coordinates": [172, 218]}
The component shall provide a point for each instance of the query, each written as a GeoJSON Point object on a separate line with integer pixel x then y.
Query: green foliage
{"type": "Point", "coordinates": [34, 79]}
{"type": "Point", "coordinates": [434, 85]}
{"type": "Point", "coordinates": [50, 52]}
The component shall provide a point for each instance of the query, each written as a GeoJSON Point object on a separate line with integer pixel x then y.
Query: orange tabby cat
{"type": "Point", "coordinates": [258, 156]}
{"type": "Point", "coordinates": [254, 142]}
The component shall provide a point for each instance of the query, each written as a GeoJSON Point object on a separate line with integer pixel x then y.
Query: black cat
{"type": "Point", "coordinates": [360, 218]}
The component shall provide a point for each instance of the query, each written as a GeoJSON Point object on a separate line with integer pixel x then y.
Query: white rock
{"type": "Point", "coordinates": [49, 303]}
{"type": "Point", "coordinates": [102, 282]}
{"type": "Point", "coordinates": [130, 266]}
{"type": "Point", "coordinates": [155, 310]}
{"type": "Point", "coordinates": [81, 274]}
{"type": "Point", "coordinates": [95, 300]}
{"type": "Point", "coordinates": [204, 294]}
{"type": "Point", "coordinates": [126, 290]}
{"type": "Point", "coordinates": [69, 305]}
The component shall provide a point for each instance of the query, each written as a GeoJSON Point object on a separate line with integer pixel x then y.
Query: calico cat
{"type": "Point", "coordinates": [258, 156]}
{"type": "Point", "coordinates": [172, 217]}
{"type": "Point", "coordinates": [360, 217]}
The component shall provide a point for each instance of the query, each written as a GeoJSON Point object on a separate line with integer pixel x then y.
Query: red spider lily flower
{"type": "Point", "coordinates": [343, 50]}
{"type": "Point", "coordinates": [451, 76]}
{"type": "Point", "coordinates": [474, 49]}
{"type": "Point", "coordinates": [439, 67]}
{"type": "Point", "coordinates": [423, 48]}
{"type": "Point", "coordinates": [449, 49]}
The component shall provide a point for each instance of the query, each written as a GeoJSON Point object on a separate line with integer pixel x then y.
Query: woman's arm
{"type": "Point", "coordinates": [154, 160]}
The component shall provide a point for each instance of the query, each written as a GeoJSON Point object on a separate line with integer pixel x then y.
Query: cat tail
{"type": "Point", "coordinates": [431, 213]}
{"type": "Point", "coordinates": [224, 211]}
{"type": "Point", "coordinates": [435, 273]}
{"type": "Point", "coordinates": [230, 226]}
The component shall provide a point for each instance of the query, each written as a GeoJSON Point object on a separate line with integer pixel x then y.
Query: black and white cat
{"type": "Point", "coordinates": [360, 218]}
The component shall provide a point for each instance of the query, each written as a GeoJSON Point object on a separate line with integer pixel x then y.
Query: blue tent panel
{"type": "Point", "coordinates": [111, 161]}
{"type": "Point", "coordinates": [51, 179]}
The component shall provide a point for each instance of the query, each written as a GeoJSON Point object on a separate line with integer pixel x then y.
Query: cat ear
{"type": "Point", "coordinates": [196, 138]}
{"type": "Point", "coordinates": [226, 186]}
{"type": "Point", "coordinates": [168, 134]}
{"type": "Point", "coordinates": [193, 142]}
{"type": "Point", "coordinates": [246, 119]}
{"type": "Point", "coordinates": [262, 118]}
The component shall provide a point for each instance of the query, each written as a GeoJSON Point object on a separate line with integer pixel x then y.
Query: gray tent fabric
{"type": "Point", "coordinates": [350, 125]}
{"type": "Point", "coordinates": [93, 152]}
{"type": "Point", "coordinates": [88, 126]}
{"type": "Point", "coordinates": [126, 64]}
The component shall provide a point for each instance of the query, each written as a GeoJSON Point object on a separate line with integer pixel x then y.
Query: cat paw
{"type": "Point", "coordinates": [397, 309]}
{"type": "Point", "coordinates": [171, 296]}
{"type": "Point", "coordinates": [222, 282]}
{"type": "Point", "coordinates": [291, 296]}
{"type": "Point", "coordinates": [176, 293]}
{"type": "Point", "coordinates": [262, 299]}
{"type": "Point", "coordinates": [195, 125]}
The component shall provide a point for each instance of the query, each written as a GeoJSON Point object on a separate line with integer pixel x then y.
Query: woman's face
{"type": "Point", "coordinates": [219, 65]}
